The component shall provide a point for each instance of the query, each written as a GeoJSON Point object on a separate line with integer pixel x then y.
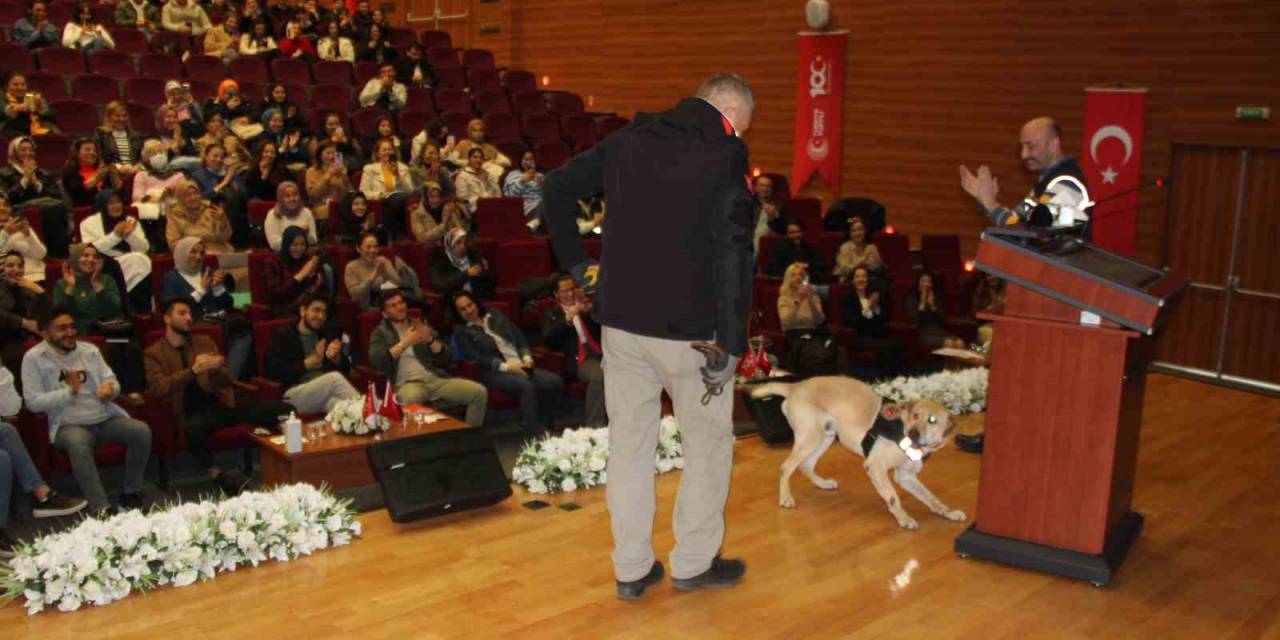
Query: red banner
{"type": "Point", "coordinates": [819, 100]}
{"type": "Point", "coordinates": [1111, 159]}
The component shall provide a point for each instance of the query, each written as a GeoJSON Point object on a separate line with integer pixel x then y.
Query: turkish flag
{"type": "Point", "coordinates": [819, 108]}
{"type": "Point", "coordinates": [1111, 158]}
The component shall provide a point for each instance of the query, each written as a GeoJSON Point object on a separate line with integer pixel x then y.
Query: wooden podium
{"type": "Point", "coordinates": [1064, 403]}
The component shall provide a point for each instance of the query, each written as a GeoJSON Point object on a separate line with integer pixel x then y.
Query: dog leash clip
{"type": "Point", "coordinates": [713, 390]}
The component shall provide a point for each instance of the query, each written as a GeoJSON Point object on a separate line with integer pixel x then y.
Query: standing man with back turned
{"type": "Point", "coordinates": [673, 295]}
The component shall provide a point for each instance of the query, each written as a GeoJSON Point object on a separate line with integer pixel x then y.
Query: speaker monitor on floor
{"type": "Point", "coordinates": [438, 473]}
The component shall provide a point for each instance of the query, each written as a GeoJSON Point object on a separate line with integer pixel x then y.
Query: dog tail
{"type": "Point", "coordinates": [772, 389]}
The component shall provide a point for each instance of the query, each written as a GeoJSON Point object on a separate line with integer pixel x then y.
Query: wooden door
{"type": "Point", "coordinates": [1223, 235]}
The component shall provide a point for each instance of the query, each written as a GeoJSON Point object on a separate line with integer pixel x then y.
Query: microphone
{"type": "Point", "coordinates": [1158, 183]}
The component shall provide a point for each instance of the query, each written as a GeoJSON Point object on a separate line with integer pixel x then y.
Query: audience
{"type": "Point", "coordinates": [435, 216]}
{"type": "Point", "coordinates": [489, 339]}
{"type": "Point", "coordinates": [184, 16]}
{"type": "Point", "coordinates": [864, 312]}
{"type": "Point", "coordinates": [387, 179]}
{"type": "Point", "coordinates": [794, 250]}
{"type": "Point", "coordinates": [263, 179]}
{"type": "Point", "coordinates": [277, 97]}
{"type": "Point", "coordinates": [326, 179]}
{"type": "Point", "coordinates": [27, 185]}
{"type": "Point", "coordinates": [769, 219]}
{"type": "Point", "coordinates": [526, 184]}
{"type": "Point", "coordinates": [456, 267]}
{"type": "Point", "coordinates": [373, 47]}
{"type": "Point", "coordinates": [217, 10]}
{"type": "Point", "coordinates": [222, 39]}
{"type": "Point", "coordinates": [85, 174]}
{"type": "Point", "coordinates": [230, 104]}
{"type": "Point", "coordinates": [428, 167]}
{"type": "Point", "coordinates": [567, 327]}
{"type": "Point", "coordinates": [334, 45]}
{"type": "Point", "coordinates": [185, 369]}
{"type": "Point", "coordinates": [857, 252]}
{"type": "Point", "coordinates": [289, 211]}
{"type": "Point", "coordinates": [295, 273]}
{"type": "Point", "coordinates": [925, 311]}
{"type": "Point", "coordinates": [85, 290]}
{"type": "Point", "coordinates": [383, 91]}
{"type": "Point", "coordinates": [352, 154]}
{"type": "Point", "coordinates": [25, 113]}
{"type": "Point", "coordinates": [372, 272]}
{"type": "Point", "coordinates": [294, 44]}
{"type": "Point", "coordinates": [436, 133]}
{"type": "Point", "coordinates": [308, 358]}
{"type": "Point", "coordinates": [180, 148]}
{"type": "Point", "coordinates": [257, 41]}
{"type": "Point", "coordinates": [191, 216]}
{"type": "Point", "coordinates": [207, 290]}
{"type": "Point", "coordinates": [34, 31]}
{"type": "Point", "coordinates": [122, 246]}
{"type": "Point", "coordinates": [84, 33]}
{"type": "Point", "coordinates": [17, 237]}
{"type": "Point", "coordinates": [413, 357]}
{"type": "Point", "coordinates": [811, 349]}
{"type": "Point", "coordinates": [473, 182]}
{"type": "Point", "coordinates": [357, 218]}
{"type": "Point", "coordinates": [385, 129]}
{"type": "Point", "coordinates": [154, 181]}
{"type": "Point", "coordinates": [139, 14]}
{"type": "Point", "coordinates": [118, 143]}
{"type": "Point", "coordinates": [72, 385]}
{"type": "Point", "coordinates": [361, 19]}
{"type": "Point", "coordinates": [494, 162]}
{"type": "Point", "coordinates": [15, 462]}
{"type": "Point", "coordinates": [252, 14]}
{"type": "Point", "coordinates": [413, 68]}
{"type": "Point", "coordinates": [178, 96]}
{"type": "Point", "coordinates": [22, 303]}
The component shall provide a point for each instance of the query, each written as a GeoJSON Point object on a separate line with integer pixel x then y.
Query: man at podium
{"type": "Point", "coordinates": [1059, 197]}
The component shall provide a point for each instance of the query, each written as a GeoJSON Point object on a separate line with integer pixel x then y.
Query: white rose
{"type": "Point", "coordinates": [536, 486]}
{"type": "Point", "coordinates": [564, 465]}
{"type": "Point", "coordinates": [597, 463]}
{"type": "Point", "coordinates": [568, 485]}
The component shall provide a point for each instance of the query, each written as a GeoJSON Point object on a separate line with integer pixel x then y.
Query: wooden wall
{"type": "Point", "coordinates": [929, 84]}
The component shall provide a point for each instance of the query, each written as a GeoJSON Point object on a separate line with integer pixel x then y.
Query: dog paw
{"type": "Point", "coordinates": [955, 515]}
{"type": "Point", "coordinates": [908, 523]}
{"type": "Point", "coordinates": [787, 502]}
{"type": "Point", "coordinates": [826, 484]}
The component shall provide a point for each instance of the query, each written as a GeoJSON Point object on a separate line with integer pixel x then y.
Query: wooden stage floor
{"type": "Point", "coordinates": [1207, 565]}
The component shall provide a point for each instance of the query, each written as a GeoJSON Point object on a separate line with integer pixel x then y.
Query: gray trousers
{"type": "Point", "coordinates": [592, 373]}
{"type": "Point", "coordinates": [79, 441]}
{"type": "Point", "coordinates": [637, 369]}
{"type": "Point", "coordinates": [448, 391]}
{"type": "Point", "coordinates": [320, 394]}
{"type": "Point", "coordinates": [14, 462]}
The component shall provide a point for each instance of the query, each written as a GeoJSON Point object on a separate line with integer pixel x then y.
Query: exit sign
{"type": "Point", "coordinates": [1253, 113]}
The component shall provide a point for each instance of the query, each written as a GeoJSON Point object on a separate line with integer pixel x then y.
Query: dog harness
{"type": "Point", "coordinates": [892, 429]}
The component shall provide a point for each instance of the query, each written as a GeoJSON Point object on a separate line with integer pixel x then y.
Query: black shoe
{"type": "Point", "coordinates": [7, 545]}
{"type": "Point", "coordinates": [634, 589]}
{"type": "Point", "coordinates": [721, 573]}
{"type": "Point", "coordinates": [231, 482]}
{"type": "Point", "coordinates": [130, 501]}
{"type": "Point", "coordinates": [971, 444]}
{"type": "Point", "coordinates": [56, 504]}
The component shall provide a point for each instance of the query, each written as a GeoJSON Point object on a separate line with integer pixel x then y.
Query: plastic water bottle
{"type": "Point", "coordinates": [293, 433]}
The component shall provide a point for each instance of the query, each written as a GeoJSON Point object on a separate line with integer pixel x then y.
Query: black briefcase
{"type": "Point", "coordinates": [767, 412]}
{"type": "Point", "coordinates": [438, 473]}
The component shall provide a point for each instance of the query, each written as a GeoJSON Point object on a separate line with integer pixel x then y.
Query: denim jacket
{"type": "Point", "coordinates": [45, 393]}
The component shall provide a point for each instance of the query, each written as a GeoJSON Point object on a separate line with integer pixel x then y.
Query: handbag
{"type": "Point", "coordinates": [113, 329]}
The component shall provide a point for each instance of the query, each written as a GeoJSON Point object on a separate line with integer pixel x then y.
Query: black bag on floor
{"type": "Point", "coordinates": [767, 412]}
{"type": "Point", "coordinates": [438, 473]}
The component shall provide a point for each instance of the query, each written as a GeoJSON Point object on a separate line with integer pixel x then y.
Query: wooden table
{"type": "Point", "coordinates": [337, 460]}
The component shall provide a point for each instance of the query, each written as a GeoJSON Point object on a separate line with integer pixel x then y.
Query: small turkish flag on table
{"type": "Point", "coordinates": [1111, 158]}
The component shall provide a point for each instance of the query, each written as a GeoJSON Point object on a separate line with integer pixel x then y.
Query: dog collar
{"type": "Point", "coordinates": [892, 429]}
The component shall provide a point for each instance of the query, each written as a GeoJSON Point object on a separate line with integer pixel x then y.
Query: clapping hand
{"type": "Point", "coordinates": [68, 276]}
{"type": "Point", "coordinates": [219, 277]}
{"type": "Point", "coordinates": [333, 351]}
{"type": "Point", "coordinates": [74, 378]}
{"type": "Point", "coordinates": [105, 390]}
{"type": "Point", "coordinates": [475, 270]}
{"type": "Point", "coordinates": [15, 226]}
{"type": "Point", "coordinates": [983, 186]}
{"type": "Point", "coordinates": [207, 361]}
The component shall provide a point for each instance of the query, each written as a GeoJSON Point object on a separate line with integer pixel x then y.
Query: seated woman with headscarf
{"type": "Point", "coordinates": [288, 212]}
{"type": "Point", "coordinates": [435, 216]}
{"type": "Point", "coordinates": [494, 162]}
{"type": "Point", "coordinates": [94, 300]}
{"type": "Point", "coordinates": [357, 218]}
{"type": "Point", "coordinates": [295, 272]}
{"type": "Point", "coordinates": [488, 338]}
{"type": "Point", "coordinates": [372, 272]}
{"type": "Point", "coordinates": [277, 97]}
{"type": "Point", "coordinates": [235, 109]}
{"type": "Point", "coordinates": [191, 216]}
{"type": "Point", "coordinates": [457, 267]}
{"type": "Point", "coordinates": [221, 185]}
{"type": "Point", "coordinates": [27, 185]}
{"type": "Point", "coordinates": [123, 245]}
{"type": "Point", "coordinates": [210, 290]}
{"type": "Point", "coordinates": [289, 144]}
{"type": "Point", "coordinates": [17, 236]}
{"type": "Point", "coordinates": [153, 183]}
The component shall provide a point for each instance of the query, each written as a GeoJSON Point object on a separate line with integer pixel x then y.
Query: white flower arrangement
{"type": "Point", "coordinates": [100, 561]}
{"type": "Point", "coordinates": [578, 458]}
{"type": "Point", "coordinates": [347, 416]}
{"type": "Point", "coordinates": [963, 391]}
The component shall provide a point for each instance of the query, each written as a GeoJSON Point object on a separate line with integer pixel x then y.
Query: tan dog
{"type": "Point", "coordinates": [824, 408]}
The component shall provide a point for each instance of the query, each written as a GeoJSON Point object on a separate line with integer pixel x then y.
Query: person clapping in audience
{"type": "Point", "coordinates": [257, 41]}
{"type": "Point", "coordinates": [34, 31]}
{"type": "Point", "coordinates": [383, 91]}
{"type": "Point", "coordinates": [474, 182]}
{"type": "Point", "coordinates": [387, 179]}
{"type": "Point", "coordinates": [428, 167]}
{"type": "Point", "coordinates": [567, 327]}
{"type": "Point", "coordinates": [290, 211]}
{"type": "Point", "coordinates": [857, 252]}
{"type": "Point", "coordinates": [334, 45]}
{"type": "Point", "coordinates": [29, 186]}
{"type": "Point", "coordinates": [436, 215]}
{"type": "Point", "coordinates": [85, 33]}
{"type": "Point", "coordinates": [413, 357]}
{"type": "Point", "coordinates": [85, 174]}
{"type": "Point", "coordinates": [457, 267]}
{"type": "Point", "coordinates": [374, 47]}
{"type": "Point", "coordinates": [864, 312]}
{"type": "Point", "coordinates": [413, 68]}
{"type": "Point", "coordinates": [357, 218]}
{"type": "Point", "coordinates": [231, 105]}
{"type": "Point", "coordinates": [118, 143]}
{"type": "Point", "coordinates": [262, 180]}
{"type": "Point", "coordinates": [308, 357]}
{"type": "Point", "coordinates": [25, 113]}
{"type": "Point", "coordinates": [372, 272]}
{"type": "Point", "coordinates": [290, 148]}
{"type": "Point", "coordinates": [489, 339]}
{"type": "Point", "coordinates": [494, 162]}
{"type": "Point", "coordinates": [17, 236]}
{"type": "Point", "coordinates": [123, 247]}
{"type": "Point", "coordinates": [294, 273]}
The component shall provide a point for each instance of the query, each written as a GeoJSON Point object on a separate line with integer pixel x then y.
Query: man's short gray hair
{"type": "Point", "coordinates": [724, 88]}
